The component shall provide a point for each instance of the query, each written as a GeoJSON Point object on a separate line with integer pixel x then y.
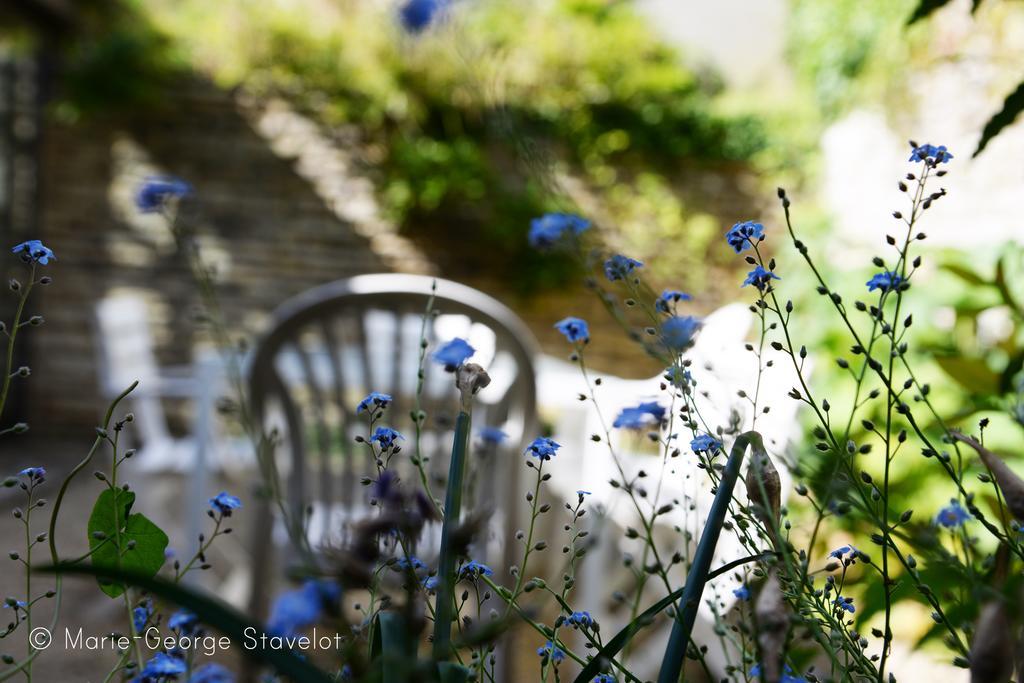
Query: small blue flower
{"type": "Point", "coordinates": [641, 416]}
{"type": "Point", "coordinates": [582, 493]}
{"type": "Point", "coordinates": [34, 250]}
{"type": "Point", "coordinates": [550, 229]}
{"type": "Point", "coordinates": [705, 443]}
{"type": "Point", "coordinates": [473, 570]}
{"type": "Point", "coordinates": [416, 15]}
{"type": "Point", "coordinates": [373, 401]}
{"type": "Point", "coordinates": [755, 671]}
{"type": "Point", "coordinates": [666, 303]}
{"type": "Point", "coordinates": [760, 278]}
{"type": "Point", "coordinates": [431, 583]}
{"type": "Point", "coordinates": [406, 563]}
{"type": "Point", "coordinates": [34, 473]}
{"type": "Point", "coordinates": [11, 603]}
{"type": "Point", "coordinates": [678, 333]}
{"type": "Point", "coordinates": [212, 673]}
{"type": "Point", "coordinates": [163, 664]}
{"type": "Point", "coordinates": [580, 620]}
{"type": "Point", "coordinates": [574, 329]}
{"type": "Point", "coordinates": [885, 281]}
{"type": "Point", "coordinates": [952, 516]}
{"type": "Point", "coordinates": [846, 604]}
{"type": "Point", "coordinates": [549, 651]}
{"type": "Point", "coordinates": [543, 448]}
{"type": "Point", "coordinates": [492, 436]}
{"type": "Point", "coordinates": [156, 191]}
{"type": "Point", "coordinates": [938, 155]}
{"type": "Point", "coordinates": [618, 267]}
{"type": "Point", "coordinates": [224, 503]}
{"type": "Point", "coordinates": [299, 608]}
{"type": "Point", "coordinates": [604, 678]}
{"type": "Point", "coordinates": [141, 615]}
{"type": "Point", "coordinates": [183, 621]}
{"type": "Point", "coordinates": [386, 437]}
{"type": "Point", "coordinates": [841, 551]}
{"type": "Point", "coordinates": [453, 354]}
{"type": "Point", "coordinates": [744, 235]}
{"type": "Point", "coordinates": [743, 593]}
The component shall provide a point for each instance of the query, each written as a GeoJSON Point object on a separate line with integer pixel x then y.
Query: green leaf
{"type": "Point", "coordinates": [965, 274]}
{"type": "Point", "coordinates": [111, 517]}
{"type": "Point", "coordinates": [213, 613]}
{"type": "Point", "coordinates": [393, 647]}
{"type": "Point", "coordinates": [924, 8]}
{"type": "Point", "coordinates": [970, 373]}
{"type": "Point", "coordinates": [1012, 106]}
{"type": "Point", "coordinates": [686, 611]}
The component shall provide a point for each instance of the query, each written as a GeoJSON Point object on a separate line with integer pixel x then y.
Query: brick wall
{"type": "Point", "coordinates": [270, 231]}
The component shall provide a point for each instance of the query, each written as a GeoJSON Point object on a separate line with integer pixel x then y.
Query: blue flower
{"type": "Point", "coordinates": [669, 298]}
{"type": "Point", "coordinates": [417, 15]}
{"type": "Point", "coordinates": [841, 551]}
{"type": "Point", "coordinates": [760, 278]}
{"type": "Point", "coordinates": [743, 593]}
{"type": "Point", "coordinates": [492, 436]}
{"type": "Point", "coordinates": [640, 416]}
{"type": "Point", "coordinates": [473, 570]}
{"type": "Point", "coordinates": [431, 583]}
{"type": "Point", "coordinates": [543, 448]}
{"type": "Point", "coordinates": [952, 516]}
{"type": "Point", "coordinates": [618, 267]}
{"type": "Point", "coordinates": [580, 620]}
{"type": "Point", "coordinates": [386, 437]}
{"type": "Point", "coordinates": [155, 191]}
{"type": "Point", "coordinates": [938, 155]}
{"type": "Point", "coordinates": [34, 250]}
{"type": "Point", "coordinates": [582, 493]}
{"type": "Point", "coordinates": [183, 621]}
{"type": "Point", "coordinates": [604, 678]}
{"type": "Point", "coordinates": [846, 604]}
{"type": "Point", "coordinates": [141, 615]}
{"type": "Point", "coordinates": [224, 503]}
{"type": "Point", "coordinates": [212, 673]}
{"type": "Point", "coordinates": [574, 329]}
{"type": "Point", "coordinates": [34, 473]}
{"type": "Point", "coordinates": [678, 333]}
{"type": "Point", "coordinates": [163, 664]}
{"type": "Point", "coordinates": [453, 354]}
{"type": "Point", "coordinates": [406, 563]}
{"type": "Point", "coordinates": [549, 651]}
{"type": "Point", "coordinates": [744, 235]}
{"type": "Point", "coordinates": [550, 229]}
{"type": "Point", "coordinates": [705, 443]}
{"type": "Point", "coordinates": [787, 675]}
{"type": "Point", "coordinates": [885, 281]}
{"type": "Point", "coordinates": [297, 609]}
{"type": "Point", "coordinates": [373, 401]}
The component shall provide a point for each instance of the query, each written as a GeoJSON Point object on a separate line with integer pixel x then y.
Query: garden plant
{"type": "Point", "coordinates": [446, 616]}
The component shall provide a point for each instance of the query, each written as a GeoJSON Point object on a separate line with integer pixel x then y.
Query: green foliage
{"type": "Point", "coordinates": [1012, 107]}
{"type": "Point", "coordinates": [844, 65]}
{"type": "Point", "coordinates": [474, 128]}
{"type": "Point", "coordinates": [119, 539]}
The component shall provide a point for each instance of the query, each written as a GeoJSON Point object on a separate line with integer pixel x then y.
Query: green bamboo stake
{"type": "Point", "coordinates": [686, 610]}
{"type": "Point", "coordinates": [470, 378]}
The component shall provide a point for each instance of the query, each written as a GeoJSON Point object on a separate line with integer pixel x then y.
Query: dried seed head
{"type": "Point", "coordinates": [764, 490]}
{"type": "Point", "coordinates": [470, 378]}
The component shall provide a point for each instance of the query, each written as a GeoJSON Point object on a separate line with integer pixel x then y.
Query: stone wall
{"type": "Point", "coordinates": [258, 217]}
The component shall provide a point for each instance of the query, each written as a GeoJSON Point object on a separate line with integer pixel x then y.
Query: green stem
{"type": "Point", "coordinates": [686, 610]}
{"type": "Point", "coordinates": [12, 335]}
{"type": "Point", "coordinates": [446, 563]}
